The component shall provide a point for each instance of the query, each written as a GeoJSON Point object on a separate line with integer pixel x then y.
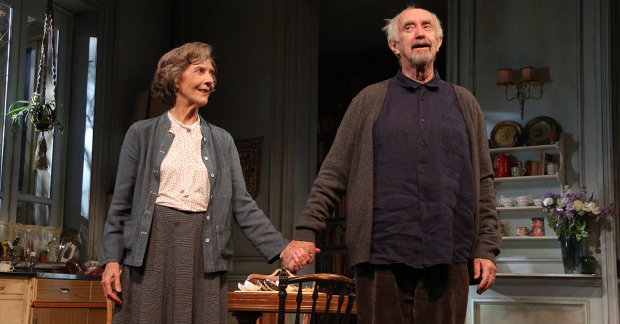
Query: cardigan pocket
{"type": "Point", "coordinates": [129, 234]}
{"type": "Point", "coordinates": [224, 241]}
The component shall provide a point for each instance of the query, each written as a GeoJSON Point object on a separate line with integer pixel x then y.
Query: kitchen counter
{"type": "Point", "coordinates": [44, 274]}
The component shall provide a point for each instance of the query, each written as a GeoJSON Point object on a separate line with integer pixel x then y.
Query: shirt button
{"type": "Point", "coordinates": [207, 240]}
{"type": "Point", "coordinates": [421, 143]}
{"type": "Point", "coordinates": [421, 170]}
{"type": "Point", "coordinates": [206, 158]}
{"type": "Point", "coordinates": [423, 120]}
{"type": "Point", "coordinates": [208, 217]}
{"type": "Point", "coordinates": [423, 198]}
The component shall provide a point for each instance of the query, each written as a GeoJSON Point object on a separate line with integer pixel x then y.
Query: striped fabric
{"type": "Point", "coordinates": [171, 286]}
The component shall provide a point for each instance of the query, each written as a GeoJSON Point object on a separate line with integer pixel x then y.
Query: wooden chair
{"type": "Point", "coordinates": [345, 284]}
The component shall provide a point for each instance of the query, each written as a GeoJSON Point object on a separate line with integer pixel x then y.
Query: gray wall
{"type": "Point", "coordinates": [142, 36]}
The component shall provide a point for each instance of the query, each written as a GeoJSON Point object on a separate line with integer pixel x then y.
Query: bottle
{"type": "Point", "coordinates": [28, 244]}
{"type": "Point", "coordinates": [52, 250]}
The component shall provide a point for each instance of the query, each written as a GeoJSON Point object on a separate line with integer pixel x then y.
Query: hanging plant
{"type": "Point", "coordinates": [43, 116]}
{"type": "Point", "coordinates": [42, 112]}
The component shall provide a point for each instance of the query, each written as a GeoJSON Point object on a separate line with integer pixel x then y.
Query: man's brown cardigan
{"type": "Point", "coordinates": [348, 169]}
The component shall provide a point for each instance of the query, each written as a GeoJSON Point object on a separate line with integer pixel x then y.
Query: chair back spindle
{"type": "Point", "coordinates": [345, 284]}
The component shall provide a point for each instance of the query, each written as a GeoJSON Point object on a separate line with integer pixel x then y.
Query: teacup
{"type": "Point", "coordinates": [507, 201]}
{"type": "Point", "coordinates": [517, 171]}
{"type": "Point", "coordinates": [537, 202]}
{"type": "Point", "coordinates": [522, 231]}
{"type": "Point", "coordinates": [524, 200]}
{"type": "Point", "coordinates": [6, 267]}
{"type": "Point", "coordinates": [552, 168]}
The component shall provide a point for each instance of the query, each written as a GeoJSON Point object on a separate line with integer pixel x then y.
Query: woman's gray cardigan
{"type": "Point", "coordinates": [348, 169]}
{"type": "Point", "coordinates": [127, 228]}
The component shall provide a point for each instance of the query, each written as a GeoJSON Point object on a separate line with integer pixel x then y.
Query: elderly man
{"type": "Point", "coordinates": [412, 157]}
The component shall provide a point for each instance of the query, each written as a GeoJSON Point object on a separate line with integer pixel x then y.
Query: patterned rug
{"type": "Point", "coordinates": [250, 154]}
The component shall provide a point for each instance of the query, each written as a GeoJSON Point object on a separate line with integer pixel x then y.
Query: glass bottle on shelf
{"type": "Point", "coordinates": [52, 250]}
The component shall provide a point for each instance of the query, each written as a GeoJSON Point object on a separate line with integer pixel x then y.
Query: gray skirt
{"type": "Point", "coordinates": [171, 286]}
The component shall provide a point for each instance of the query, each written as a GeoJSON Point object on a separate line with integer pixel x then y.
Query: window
{"type": "Point", "coordinates": [28, 196]}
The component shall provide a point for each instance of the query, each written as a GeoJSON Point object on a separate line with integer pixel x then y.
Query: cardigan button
{"type": "Point", "coordinates": [206, 157]}
{"type": "Point", "coordinates": [207, 240]}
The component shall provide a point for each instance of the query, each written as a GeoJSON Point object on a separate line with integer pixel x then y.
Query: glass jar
{"type": "Point", "coordinates": [588, 265]}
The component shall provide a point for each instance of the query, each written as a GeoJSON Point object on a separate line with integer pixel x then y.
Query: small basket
{"type": "Point", "coordinates": [81, 270]}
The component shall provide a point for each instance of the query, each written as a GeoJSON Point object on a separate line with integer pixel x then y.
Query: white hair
{"type": "Point", "coordinates": [391, 28]}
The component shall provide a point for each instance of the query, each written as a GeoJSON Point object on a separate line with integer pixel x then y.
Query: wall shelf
{"type": "Point", "coordinates": [529, 238]}
{"type": "Point", "coordinates": [528, 178]}
{"type": "Point", "coordinates": [550, 147]}
{"type": "Point", "coordinates": [526, 208]}
{"type": "Point", "coordinates": [548, 279]}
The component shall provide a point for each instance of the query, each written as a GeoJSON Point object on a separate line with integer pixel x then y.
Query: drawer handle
{"type": "Point", "coordinates": [64, 290]}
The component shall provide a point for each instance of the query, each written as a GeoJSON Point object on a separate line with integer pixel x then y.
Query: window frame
{"type": "Point", "coordinates": [9, 194]}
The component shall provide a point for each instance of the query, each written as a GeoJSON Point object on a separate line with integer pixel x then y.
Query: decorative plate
{"type": "Point", "coordinates": [537, 130]}
{"type": "Point", "coordinates": [503, 134]}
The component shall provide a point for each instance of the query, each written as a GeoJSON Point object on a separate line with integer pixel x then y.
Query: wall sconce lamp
{"type": "Point", "coordinates": [505, 78]}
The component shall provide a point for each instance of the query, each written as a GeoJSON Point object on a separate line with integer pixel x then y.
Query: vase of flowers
{"type": "Point", "coordinates": [571, 215]}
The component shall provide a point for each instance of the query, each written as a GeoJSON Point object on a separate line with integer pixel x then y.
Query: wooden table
{"type": "Point", "coordinates": [247, 307]}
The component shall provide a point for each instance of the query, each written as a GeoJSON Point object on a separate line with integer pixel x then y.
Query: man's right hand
{"type": "Point", "coordinates": [112, 274]}
{"type": "Point", "coordinates": [290, 257]}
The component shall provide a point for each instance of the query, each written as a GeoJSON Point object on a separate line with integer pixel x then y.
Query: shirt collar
{"type": "Point", "coordinates": [177, 123]}
{"type": "Point", "coordinates": [406, 82]}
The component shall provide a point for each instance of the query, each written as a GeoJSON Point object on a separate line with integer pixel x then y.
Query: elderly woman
{"type": "Point", "coordinates": [179, 186]}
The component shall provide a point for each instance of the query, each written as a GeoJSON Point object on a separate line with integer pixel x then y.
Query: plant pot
{"type": "Point", "coordinates": [571, 254]}
{"type": "Point", "coordinates": [41, 122]}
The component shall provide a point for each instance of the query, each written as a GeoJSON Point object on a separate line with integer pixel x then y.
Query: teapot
{"type": "Point", "coordinates": [502, 166]}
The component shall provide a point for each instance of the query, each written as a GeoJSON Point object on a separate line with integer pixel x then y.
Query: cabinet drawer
{"type": "Point", "coordinates": [12, 287]}
{"type": "Point", "coordinates": [96, 292]}
{"type": "Point", "coordinates": [62, 290]}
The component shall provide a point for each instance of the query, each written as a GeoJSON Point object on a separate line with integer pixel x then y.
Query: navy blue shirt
{"type": "Point", "coordinates": [423, 180]}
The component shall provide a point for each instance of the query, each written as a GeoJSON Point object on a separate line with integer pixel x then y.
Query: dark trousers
{"type": "Point", "coordinates": [395, 294]}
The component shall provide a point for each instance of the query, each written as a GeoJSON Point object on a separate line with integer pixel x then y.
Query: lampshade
{"type": "Point", "coordinates": [505, 77]}
{"type": "Point", "coordinates": [528, 76]}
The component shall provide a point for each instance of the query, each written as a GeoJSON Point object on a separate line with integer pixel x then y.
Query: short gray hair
{"type": "Point", "coordinates": [172, 65]}
{"type": "Point", "coordinates": [391, 28]}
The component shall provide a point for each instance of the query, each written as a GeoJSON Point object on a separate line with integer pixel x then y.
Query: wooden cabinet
{"type": "Point", "coordinates": [14, 298]}
{"type": "Point", "coordinates": [58, 301]}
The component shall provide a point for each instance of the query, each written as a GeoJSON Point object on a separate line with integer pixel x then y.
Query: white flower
{"type": "Point", "coordinates": [591, 207]}
{"type": "Point", "coordinates": [548, 201]}
{"type": "Point", "coordinates": [561, 202]}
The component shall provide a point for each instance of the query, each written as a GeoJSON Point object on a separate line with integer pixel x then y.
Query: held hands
{"type": "Point", "coordinates": [112, 274]}
{"type": "Point", "coordinates": [298, 254]}
{"type": "Point", "coordinates": [488, 269]}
